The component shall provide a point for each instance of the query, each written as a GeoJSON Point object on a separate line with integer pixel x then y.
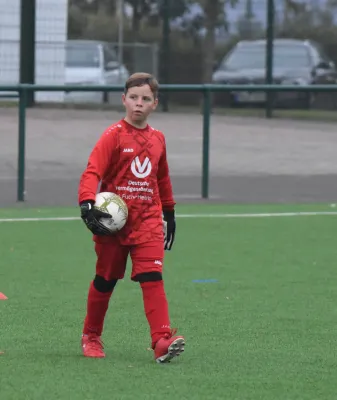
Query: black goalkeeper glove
{"type": "Point", "coordinates": [91, 216]}
{"type": "Point", "coordinates": [169, 229]}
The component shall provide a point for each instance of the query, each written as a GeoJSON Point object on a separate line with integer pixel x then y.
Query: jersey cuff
{"type": "Point", "coordinates": [168, 208]}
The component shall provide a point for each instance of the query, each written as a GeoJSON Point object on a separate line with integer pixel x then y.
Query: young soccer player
{"type": "Point", "coordinates": [130, 160]}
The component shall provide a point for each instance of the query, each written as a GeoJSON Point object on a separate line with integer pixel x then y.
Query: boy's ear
{"type": "Point", "coordinates": [123, 98]}
{"type": "Point", "coordinates": [155, 104]}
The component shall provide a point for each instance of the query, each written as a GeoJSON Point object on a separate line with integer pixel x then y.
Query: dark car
{"type": "Point", "coordinates": [295, 62]}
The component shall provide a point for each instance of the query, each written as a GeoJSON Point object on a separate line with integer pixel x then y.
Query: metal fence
{"type": "Point", "coordinates": [206, 90]}
{"type": "Point", "coordinates": [51, 66]}
{"type": "Point", "coordinates": [180, 59]}
{"type": "Point", "coordinates": [140, 56]}
{"type": "Point", "coordinates": [247, 20]}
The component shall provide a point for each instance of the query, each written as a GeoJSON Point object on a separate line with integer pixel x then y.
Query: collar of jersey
{"type": "Point", "coordinates": [134, 127]}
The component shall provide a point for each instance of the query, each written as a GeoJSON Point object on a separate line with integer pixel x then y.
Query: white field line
{"type": "Point", "coordinates": [220, 215]}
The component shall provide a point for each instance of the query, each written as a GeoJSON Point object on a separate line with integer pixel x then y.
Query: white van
{"type": "Point", "coordinates": [91, 62]}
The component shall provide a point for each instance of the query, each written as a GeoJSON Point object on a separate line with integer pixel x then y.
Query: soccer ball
{"type": "Point", "coordinates": [114, 205]}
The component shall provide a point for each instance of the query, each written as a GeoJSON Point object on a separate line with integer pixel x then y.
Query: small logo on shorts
{"type": "Point", "coordinates": [158, 262]}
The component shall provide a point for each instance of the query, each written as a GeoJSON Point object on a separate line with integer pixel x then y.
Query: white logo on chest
{"type": "Point", "coordinates": [141, 170]}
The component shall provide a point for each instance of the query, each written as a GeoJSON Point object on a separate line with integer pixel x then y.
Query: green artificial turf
{"type": "Point", "coordinates": [261, 326]}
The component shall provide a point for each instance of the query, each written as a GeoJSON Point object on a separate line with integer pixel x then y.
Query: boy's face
{"type": "Point", "coordinates": [139, 102]}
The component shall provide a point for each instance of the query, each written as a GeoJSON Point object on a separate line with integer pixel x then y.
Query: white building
{"type": "Point", "coordinates": [51, 34]}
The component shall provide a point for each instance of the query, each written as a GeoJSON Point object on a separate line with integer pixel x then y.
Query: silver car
{"type": "Point", "coordinates": [90, 62]}
{"type": "Point", "coordinates": [295, 62]}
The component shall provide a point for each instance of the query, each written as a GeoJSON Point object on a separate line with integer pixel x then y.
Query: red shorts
{"type": "Point", "coordinates": [112, 258]}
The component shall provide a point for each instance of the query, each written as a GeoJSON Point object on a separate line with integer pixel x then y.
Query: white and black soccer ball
{"type": "Point", "coordinates": [114, 205]}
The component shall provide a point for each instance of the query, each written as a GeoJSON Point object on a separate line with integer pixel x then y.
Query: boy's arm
{"type": "Point", "coordinates": [167, 201]}
{"type": "Point", "coordinates": [165, 184]}
{"type": "Point", "coordinates": [98, 165]}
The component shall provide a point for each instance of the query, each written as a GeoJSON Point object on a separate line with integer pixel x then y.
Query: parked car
{"type": "Point", "coordinates": [298, 62]}
{"type": "Point", "coordinates": [90, 62]}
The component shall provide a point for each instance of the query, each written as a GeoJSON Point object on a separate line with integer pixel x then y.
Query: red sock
{"type": "Point", "coordinates": [156, 309]}
{"type": "Point", "coordinates": [97, 307]}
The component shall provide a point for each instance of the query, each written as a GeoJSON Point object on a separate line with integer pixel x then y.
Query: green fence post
{"type": "Point", "coordinates": [205, 142]}
{"type": "Point", "coordinates": [22, 144]}
{"type": "Point", "coordinates": [27, 46]}
{"type": "Point", "coordinates": [165, 55]}
{"type": "Point", "coordinates": [269, 57]}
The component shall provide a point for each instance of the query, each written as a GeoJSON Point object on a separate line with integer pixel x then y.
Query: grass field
{"type": "Point", "coordinates": [263, 328]}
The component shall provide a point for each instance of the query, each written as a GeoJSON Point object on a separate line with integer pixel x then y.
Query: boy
{"type": "Point", "coordinates": [130, 160]}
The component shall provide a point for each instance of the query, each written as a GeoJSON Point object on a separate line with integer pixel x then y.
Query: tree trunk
{"type": "Point", "coordinates": [211, 12]}
{"type": "Point", "coordinates": [101, 8]}
{"type": "Point", "coordinates": [136, 18]}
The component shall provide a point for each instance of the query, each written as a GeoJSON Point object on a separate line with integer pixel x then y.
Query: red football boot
{"type": "Point", "coordinates": [168, 347]}
{"type": "Point", "coordinates": [92, 346]}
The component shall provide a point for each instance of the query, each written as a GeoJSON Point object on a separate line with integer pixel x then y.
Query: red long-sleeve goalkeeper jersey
{"type": "Point", "coordinates": [132, 163]}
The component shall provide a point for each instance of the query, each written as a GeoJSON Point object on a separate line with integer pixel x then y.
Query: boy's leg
{"type": "Point", "coordinates": [110, 267]}
{"type": "Point", "coordinates": [147, 267]}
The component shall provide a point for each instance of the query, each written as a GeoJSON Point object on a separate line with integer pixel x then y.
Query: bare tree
{"type": "Point", "coordinates": [214, 17]}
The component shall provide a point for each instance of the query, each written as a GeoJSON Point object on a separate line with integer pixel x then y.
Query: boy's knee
{"type": "Point", "coordinates": [154, 276]}
{"type": "Point", "coordinates": [103, 285]}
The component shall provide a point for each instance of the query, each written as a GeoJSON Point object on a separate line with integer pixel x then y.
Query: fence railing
{"type": "Point", "coordinates": [21, 91]}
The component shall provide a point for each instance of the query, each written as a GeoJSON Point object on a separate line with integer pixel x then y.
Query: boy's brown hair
{"type": "Point", "coordinates": [140, 79]}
